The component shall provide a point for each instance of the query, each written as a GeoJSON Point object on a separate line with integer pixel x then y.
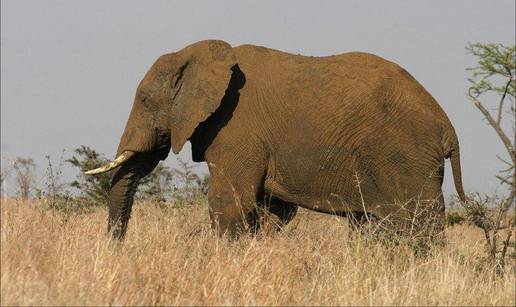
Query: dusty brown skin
{"type": "Point", "coordinates": [280, 131]}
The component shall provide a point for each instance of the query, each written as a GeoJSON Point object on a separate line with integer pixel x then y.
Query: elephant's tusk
{"type": "Point", "coordinates": [126, 155]}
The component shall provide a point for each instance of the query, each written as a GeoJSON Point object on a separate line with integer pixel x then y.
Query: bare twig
{"type": "Point", "coordinates": [500, 105]}
{"type": "Point", "coordinates": [504, 180]}
{"type": "Point", "coordinates": [503, 137]}
{"type": "Point", "coordinates": [357, 180]}
{"type": "Point", "coordinates": [506, 242]}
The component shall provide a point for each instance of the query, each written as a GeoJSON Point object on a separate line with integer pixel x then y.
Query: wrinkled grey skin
{"type": "Point", "coordinates": [280, 131]}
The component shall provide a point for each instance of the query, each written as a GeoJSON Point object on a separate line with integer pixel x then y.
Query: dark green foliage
{"type": "Point", "coordinates": [95, 188]}
{"type": "Point", "coordinates": [454, 218]}
{"type": "Point", "coordinates": [495, 71]}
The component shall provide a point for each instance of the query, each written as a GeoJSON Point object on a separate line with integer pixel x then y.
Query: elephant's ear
{"type": "Point", "coordinates": [198, 87]}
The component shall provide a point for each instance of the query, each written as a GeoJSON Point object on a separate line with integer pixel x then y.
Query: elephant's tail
{"type": "Point", "coordinates": [457, 174]}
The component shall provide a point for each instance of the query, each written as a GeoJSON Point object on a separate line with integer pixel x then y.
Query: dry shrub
{"type": "Point", "coordinates": [171, 257]}
{"type": "Point", "coordinates": [497, 221]}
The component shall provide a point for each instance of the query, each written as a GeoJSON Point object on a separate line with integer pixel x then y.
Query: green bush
{"type": "Point", "coordinates": [454, 218]}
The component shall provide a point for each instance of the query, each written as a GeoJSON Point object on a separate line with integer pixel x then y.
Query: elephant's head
{"type": "Point", "coordinates": [179, 92]}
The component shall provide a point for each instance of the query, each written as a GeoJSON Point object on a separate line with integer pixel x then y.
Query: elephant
{"type": "Point", "coordinates": [350, 134]}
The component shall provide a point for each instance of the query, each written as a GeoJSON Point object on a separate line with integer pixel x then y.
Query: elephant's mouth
{"type": "Point", "coordinates": [153, 144]}
{"type": "Point", "coordinates": [120, 160]}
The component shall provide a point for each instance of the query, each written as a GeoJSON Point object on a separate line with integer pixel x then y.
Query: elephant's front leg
{"type": "Point", "coordinates": [232, 199]}
{"type": "Point", "coordinates": [232, 208]}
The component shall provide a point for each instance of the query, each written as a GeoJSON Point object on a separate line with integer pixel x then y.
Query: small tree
{"type": "Point", "coordinates": [188, 180]}
{"type": "Point", "coordinates": [55, 194]}
{"type": "Point", "coordinates": [494, 81]}
{"type": "Point", "coordinates": [203, 183]}
{"type": "Point", "coordinates": [4, 174]}
{"type": "Point", "coordinates": [95, 188]}
{"type": "Point", "coordinates": [24, 171]}
{"type": "Point", "coordinates": [55, 188]}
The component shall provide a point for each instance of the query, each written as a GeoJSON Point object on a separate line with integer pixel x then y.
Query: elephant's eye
{"type": "Point", "coordinates": [143, 97]}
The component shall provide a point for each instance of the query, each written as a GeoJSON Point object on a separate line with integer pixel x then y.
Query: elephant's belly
{"type": "Point", "coordinates": [302, 179]}
{"type": "Point", "coordinates": [338, 201]}
{"type": "Point", "coordinates": [347, 184]}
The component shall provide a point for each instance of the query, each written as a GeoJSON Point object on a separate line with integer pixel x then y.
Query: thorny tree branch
{"type": "Point", "coordinates": [496, 126]}
{"type": "Point", "coordinates": [500, 105]}
{"type": "Point", "coordinates": [504, 180]}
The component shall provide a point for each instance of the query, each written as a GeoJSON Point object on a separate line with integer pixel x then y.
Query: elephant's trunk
{"type": "Point", "coordinates": [145, 141]}
{"type": "Point", "coordinates": [123, 188]}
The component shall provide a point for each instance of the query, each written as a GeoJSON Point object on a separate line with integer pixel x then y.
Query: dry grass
{"type": "Point", "coordinates": [171, 257]}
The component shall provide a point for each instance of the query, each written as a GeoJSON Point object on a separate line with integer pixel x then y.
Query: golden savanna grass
{"type": "Point", "coordinates": [171, 257]}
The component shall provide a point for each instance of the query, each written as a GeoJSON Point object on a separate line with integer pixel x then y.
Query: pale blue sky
{"type": "Point", "coordinates": [70, 68]}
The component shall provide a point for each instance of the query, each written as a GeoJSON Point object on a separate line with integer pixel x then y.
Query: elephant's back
{"type": "Point", "coordinates": [268, 54]}
{"type": "Point", "coordinates": [348, 65]}
{"type": "Point", "coordinates": [354, 93]}
{"type": "Point", "coordinates": [345, 78]}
